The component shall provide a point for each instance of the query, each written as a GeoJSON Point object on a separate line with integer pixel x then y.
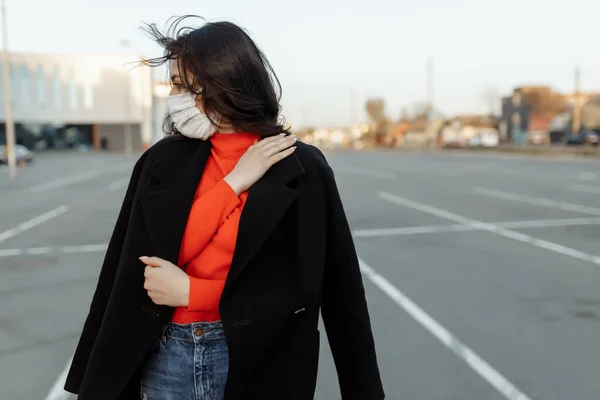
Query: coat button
{"type": "Point", "coordinates": [198, 331]}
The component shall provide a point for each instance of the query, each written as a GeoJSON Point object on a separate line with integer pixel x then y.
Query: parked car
{"type": "Point", "coordinates": [484, 138]}
{"type": "Point", "coordinates": [22, 154]}
{"type": "Point", "coordinates": [581, 138]}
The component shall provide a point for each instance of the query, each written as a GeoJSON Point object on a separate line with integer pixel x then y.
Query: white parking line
{"type": "Point", "coordinates": [90, 248]}
{"type": "Point", "coordinates": [410, 230]}
{"type": "Point", "coordinates": [365, 172]}
{"type": "Point", "coordinates": [62, 182]}
{"type": "Point", "coordinates": [417, 230]}
{"type": "Point", "coordinates": [586, 176]}
{"type": "Point", "coordinates": [537, 201]}
{"type": "Point", "coordinates": [35, 251]}
{"type": "Point", "coordinates": [121, 183]}
{"type": "Point", "coordinates": [521, 237]}
{"type": "Point", "coordinates": [38, 250]}
{"type": "Point", "coordinates": [33, 222]}
{"type": "Point", "coordinates": [58, 392]}
{"type": "Point", "coordinates": [462, 351]}
{"type": "Point", "coordinates": [585, 189]}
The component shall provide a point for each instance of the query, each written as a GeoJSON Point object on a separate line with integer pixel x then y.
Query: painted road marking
{"type": "Point", "coordinates": [365, 172]}
{"type": "Point", "coordinates": [33, 222]}
{"type": "Point", "coordinates": [537, 201]}
{"type": "Point", "coordinates": [62, 182]}
{"type": "Point", "coordinates": [359, 233]}
{"type": "Point", "coordinates": [462, 351]}
{"type": "Point", "coordinates": [416, 230]}
{"type": "Point", "coordinates": [36, 251]}
{"type": "Point", "coordinates": [121, 183]}
{"type": "Point", "coordinates": [411, 230]}
{"type": "Point", "coordinates": [521, 237]}
{"type": "Point", "coordinates": [57, 392]}
{"type": "Point", "coordinates": [83, 249]}
{"type": "Point", "coordinates": [389, 176]}
{"type": "Point", "coordinates": [585, 189]}
{"type": "Point", "coordinates": [586, 176]}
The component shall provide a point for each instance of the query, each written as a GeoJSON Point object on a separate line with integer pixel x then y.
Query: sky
{"type": "Point", "coordinates": [332, 55]}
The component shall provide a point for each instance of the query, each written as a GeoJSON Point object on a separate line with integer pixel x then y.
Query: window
{"type": "Point", "coordinates": [88, 95]}
{"type": "Point", "coordinates": [516, 100]}
{"type": "Point", "coordinates": [503, 128]}
{"type": "Point", "coordinates": [72, 89]}
{"type": "Point", "coordinates": [57, 88]}
{"type": "Point", "coordinates": [25, 86]}
{"type": "Point", "coordinates": [516, 120]}
{"type": "Point", "coordinates": [41, 87]}
{"type": "Point", "coordinates": [13, 84]}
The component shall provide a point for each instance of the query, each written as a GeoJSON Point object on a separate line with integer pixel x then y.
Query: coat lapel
{"type": "Point", "coordinates": [167, 204]}
{"type": "Point", "coordinates": [267, 201]}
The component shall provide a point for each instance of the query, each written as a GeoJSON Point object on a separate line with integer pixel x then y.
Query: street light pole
{"type": "Point", "coordinates": [128, 133]}
{"type": "Point", "coordinates": [128, 139]}
{"type": "Point", "coordinates": [430, 87]}
{"type": "Point", "coordinates": [576, 123]}
{"type": "Point", "coordinates": [8, 117]}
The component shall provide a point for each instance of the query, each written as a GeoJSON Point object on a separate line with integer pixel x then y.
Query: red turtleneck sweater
{"type": "Point", "coordinates": [210, 235]}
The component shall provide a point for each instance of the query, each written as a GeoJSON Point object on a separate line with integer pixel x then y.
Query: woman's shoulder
{"type": "Point", "coordinates": [163, 147]}
{"type": "Point", "coordinates": [310, 156]}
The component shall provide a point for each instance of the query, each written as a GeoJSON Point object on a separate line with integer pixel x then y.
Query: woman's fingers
{"type": "Point", "coordinates": [268, 141]}
{"type": "Point", "coordinates": [280, 145]}
{"type": "Point", "coordinates": [258, 159]}
{"type": "Point", "coordinates": [152, 261]}
{"type": "Point", "coordinates": [281, 155]}
{"type": "Point", "coordinates": [274, 144]}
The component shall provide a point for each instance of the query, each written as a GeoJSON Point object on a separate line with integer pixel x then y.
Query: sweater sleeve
{"type": "Point", "coordinates": [208, 213]}
{"type": "Point", "coordinates": [205, 294]}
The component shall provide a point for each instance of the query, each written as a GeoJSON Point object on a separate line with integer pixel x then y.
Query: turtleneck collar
{"type": "Point", "coordinates": [232, 145]}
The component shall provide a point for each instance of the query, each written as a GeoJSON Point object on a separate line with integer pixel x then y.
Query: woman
{"type": "Point", "coordinates": [230, 241]}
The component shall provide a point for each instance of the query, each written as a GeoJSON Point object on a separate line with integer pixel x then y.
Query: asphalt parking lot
{"type": "Point", "coordinates": [482, 271]}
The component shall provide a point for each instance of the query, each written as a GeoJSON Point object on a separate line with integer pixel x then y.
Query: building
{"type": "Point", "coordinates": [590, 114]}
{"type": "Point", "coordinates": [416, 133]}
{"type": "Point", "coordinates": [538, 115]}
{"type": "Point", "coordinates": [527, 113]}
{"type": "Point", "coordinates": [160, 109]}
{"type": "Point", "coordinates": [80, 101]}
{"type": "Point", "coordinates": [562, 123]}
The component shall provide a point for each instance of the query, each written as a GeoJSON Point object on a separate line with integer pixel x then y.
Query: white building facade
{"type": "Point", "coordinates": [69, 101]}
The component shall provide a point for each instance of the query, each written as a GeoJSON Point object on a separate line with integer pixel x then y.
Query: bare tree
{"type": "Point", "coordinates": [376, 110]}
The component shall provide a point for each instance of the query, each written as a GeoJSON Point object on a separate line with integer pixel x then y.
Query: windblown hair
{"type": "Point", "coordinates": [220, 61]}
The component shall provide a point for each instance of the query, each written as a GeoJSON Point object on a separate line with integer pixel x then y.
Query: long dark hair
{"type": "Point", "coordinates": [221, 61]}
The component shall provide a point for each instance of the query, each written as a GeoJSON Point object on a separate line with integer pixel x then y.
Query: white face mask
{"type": "Point", "coordinates": [188, 119]}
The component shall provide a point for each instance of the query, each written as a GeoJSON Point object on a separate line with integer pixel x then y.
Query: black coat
{"type": "Point", "coordinates": [294, 257]}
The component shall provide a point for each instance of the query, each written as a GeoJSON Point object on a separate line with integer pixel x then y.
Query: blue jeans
{"type": "Point", "coordinates": [188, 362]}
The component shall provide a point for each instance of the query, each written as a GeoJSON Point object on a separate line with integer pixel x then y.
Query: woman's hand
{"type": "Point", "coordinates": [166, 283]}
{"type": "Point", "coordinates": [257, 160]}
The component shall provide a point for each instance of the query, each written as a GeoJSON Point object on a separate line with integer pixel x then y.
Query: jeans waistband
{"type": "Point", "coordinates": [195, 331]}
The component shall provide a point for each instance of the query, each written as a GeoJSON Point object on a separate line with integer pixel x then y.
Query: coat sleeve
{"type": "Point", "coordinates": [344, 307]}
{"type": "Point", "coordinates": [104, 286]}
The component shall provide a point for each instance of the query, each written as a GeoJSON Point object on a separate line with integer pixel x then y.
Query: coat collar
{"type": "Point", "coordinates": [167, 203]}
